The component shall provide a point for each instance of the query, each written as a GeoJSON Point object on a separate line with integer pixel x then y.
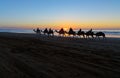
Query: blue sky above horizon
{"type": "Point", "coordinates": [60, 13]}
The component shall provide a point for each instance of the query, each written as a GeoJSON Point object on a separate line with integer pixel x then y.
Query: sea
{"type": "Point", "coordinates": [108, 33]}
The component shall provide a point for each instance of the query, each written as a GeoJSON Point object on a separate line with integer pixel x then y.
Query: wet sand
{"type": "Point", "coordinates": [34, 56]}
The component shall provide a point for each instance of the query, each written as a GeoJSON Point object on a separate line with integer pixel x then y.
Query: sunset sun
{"type": "Point", "coordinates": [65, 28]}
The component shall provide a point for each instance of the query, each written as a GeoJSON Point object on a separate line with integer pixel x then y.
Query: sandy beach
{"type": "Point", "coordinates": [35, 56]}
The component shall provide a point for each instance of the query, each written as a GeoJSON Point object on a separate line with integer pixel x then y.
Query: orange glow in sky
{"type": "Point", "coordinates": [85, 14]}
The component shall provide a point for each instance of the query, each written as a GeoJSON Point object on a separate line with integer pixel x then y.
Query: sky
{"type": "Point", "coordinates": [86, 14]}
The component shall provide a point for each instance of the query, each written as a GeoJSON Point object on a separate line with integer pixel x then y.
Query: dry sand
{"type": "Point", "coordinates": [34, 56]}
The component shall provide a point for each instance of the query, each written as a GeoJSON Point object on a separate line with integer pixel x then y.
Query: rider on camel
{"type": "Point", "coordinates": [61, 30]}
{"type": "Point", "coordinates": [90, 30]}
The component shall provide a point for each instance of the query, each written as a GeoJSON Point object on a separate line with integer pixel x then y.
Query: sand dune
{"type": "Point", "coordinates": [33, 56]}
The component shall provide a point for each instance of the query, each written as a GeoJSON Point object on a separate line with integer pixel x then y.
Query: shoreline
{"type": "Point", "coordinates": [109, 33]}
{"type": "Point", "coordinates": [34, 35]}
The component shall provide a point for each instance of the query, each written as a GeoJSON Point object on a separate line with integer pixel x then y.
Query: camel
{"type": "Point", "coordinates": [37, 31]}
{"type": "Point", "coordinates": [89, 33]}
{"type": "Point", "coordinates": [61, 32]}
{"type": "Point", "coordinates": [45, 31]}
{"type": "Point", "coordinates": [48, 32]}
{"type": "Point", "coordinates": [71, 32]}
{"type": "Point", "coordinates": [100, 34]}
{"type": "Point", "coordinates": [80, 32]}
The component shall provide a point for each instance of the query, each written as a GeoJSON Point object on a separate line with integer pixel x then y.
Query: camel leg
{"type": "Point", "coordinates": [104, 37]}
{"type": "Point", "coordinates": [92, 36]}
{"type": "Point", "coordinates": [83, 36]}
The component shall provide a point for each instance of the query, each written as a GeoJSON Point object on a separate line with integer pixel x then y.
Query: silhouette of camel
{"type": "Point", "coordinates": [45, 31]}
{"type": "Point", "coordinates": [80, 32]}
{"type": "Point", "coordinates": [89, 33]}
{"type": "Point", "coordinates": [50, 32]}
{"type": "Point", "coordinates": [61, 32]}
{"type": "Point", "coordinates": [37, 31]}
{"type": "Point", "coordinates": [100, 34]}
{"type": "Point", "coordinates": [71, 32]}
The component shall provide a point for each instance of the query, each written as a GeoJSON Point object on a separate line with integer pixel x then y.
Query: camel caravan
{"type": "Point", "coordinates": [71, 32]}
